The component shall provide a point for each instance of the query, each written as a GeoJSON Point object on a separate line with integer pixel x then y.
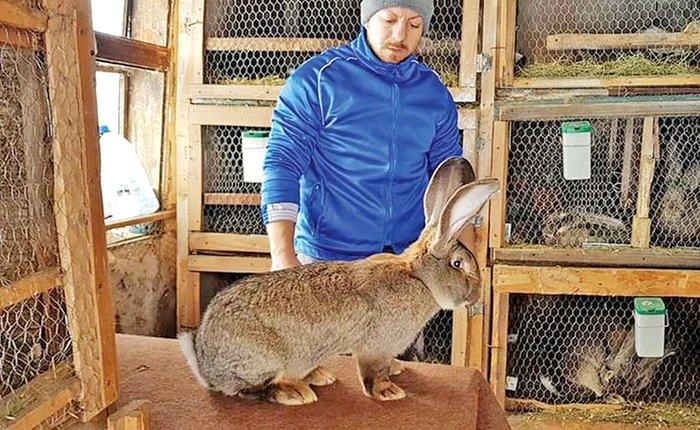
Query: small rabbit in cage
{"type": "Point", "coordinates": [266, 336]}
{"type": "Point", "coordinates": [605, 369]}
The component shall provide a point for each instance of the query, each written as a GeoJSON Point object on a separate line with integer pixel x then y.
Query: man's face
{"type": "Point", "coordinates": [394, 33]}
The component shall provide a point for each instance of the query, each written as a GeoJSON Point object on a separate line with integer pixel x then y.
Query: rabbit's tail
{"type": "Point", "coordinates": [187, 345]}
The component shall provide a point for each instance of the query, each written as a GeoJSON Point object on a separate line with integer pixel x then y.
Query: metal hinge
{"type": "Point", "coordinates": [483, 63]}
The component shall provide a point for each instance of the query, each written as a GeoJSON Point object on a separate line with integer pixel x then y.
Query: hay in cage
{"type": "Point", "coordinates": [629, 65]}
{"type": "Point", "coordinates": [647, 415]}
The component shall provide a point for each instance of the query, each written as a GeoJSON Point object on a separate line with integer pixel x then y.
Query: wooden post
{"type": "Point", "coordinates": [641, 223]}
{"type": "Point", "coordinates": [78, 205]}
{"type": "Point", "coordinates": [134, 416]}
{"type": "Point", "coordinates": [506, 30]}
{"type": "Point", "coordinates": [471, 10]}
{"type": "Point", "coordinates": [467, 324]}
{"type": "Point", "coordinates": [189, 167]}
{"type": "Point", "coordinates": [499, 345]}
{"type": "Point", "coordinates": [500, 171]}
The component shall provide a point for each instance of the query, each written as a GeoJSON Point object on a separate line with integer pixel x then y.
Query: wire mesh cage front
{"type": "Point", "coordinates": [595, 38]}
{"type": "Point", "coordinates": [545, 209]}
{"type": "Point", "coordinates": [34, 335]}
{"type": "Point", "coordinates": [576, 349]}
{"type": "Point", "coordinates": [28, 241]}
{"type": "Point", "coordinates": [34, 338]}
{"type": "Point", "coordinates": [675, 194]}
{"type": "Point", "coordinates": [237, 52]}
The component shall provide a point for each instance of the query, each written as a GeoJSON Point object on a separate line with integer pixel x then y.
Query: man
{"type": "Point", "coordinates": [357, 132]}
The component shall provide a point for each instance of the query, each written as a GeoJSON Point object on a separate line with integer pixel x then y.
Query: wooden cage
{"type": "Point", "coordinates": [58, 336]}
{"type": "Point", "coordinates": [594, 44]}
{"type": "Point", "coordinates": [567, 257]}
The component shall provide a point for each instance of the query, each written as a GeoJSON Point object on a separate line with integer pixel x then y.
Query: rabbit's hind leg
{"type": "Point", "coordinates": [320, 377]}
{"type": "Point", "coordinates": [374, 376]}
{"type": "Point", "coordinates": [291, 393]}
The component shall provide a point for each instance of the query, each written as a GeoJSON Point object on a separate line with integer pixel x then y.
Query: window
{"type": "Point", "coordinates": [131, 106]}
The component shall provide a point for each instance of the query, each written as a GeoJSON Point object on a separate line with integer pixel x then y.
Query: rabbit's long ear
{"type": "Point", "coordinates": [462, 206]}
{"type": "Point", "coordinates": [450, 175]}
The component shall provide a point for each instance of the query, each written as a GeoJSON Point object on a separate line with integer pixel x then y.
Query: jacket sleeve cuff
{"type": "Point", "coordinates": [279, 212]}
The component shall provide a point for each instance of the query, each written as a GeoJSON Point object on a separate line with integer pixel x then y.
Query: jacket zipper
{"type": "Point", "coordinates": [392, 156]}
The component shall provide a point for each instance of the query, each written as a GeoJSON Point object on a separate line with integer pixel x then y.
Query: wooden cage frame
{"type": "Point", "coordinates": [598, 281]}
{"type": "Point", "coordinates": [507, 22]}
{"type": "Point", "coordinates": [639, 254]}
{"type": "Point", "coordinates": [64, 31]}
{"type": "Point", "coordinates": [202, 105]}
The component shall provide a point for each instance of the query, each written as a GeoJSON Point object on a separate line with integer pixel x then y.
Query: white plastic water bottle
{"type": "Point", "coordinates": [126, 190]}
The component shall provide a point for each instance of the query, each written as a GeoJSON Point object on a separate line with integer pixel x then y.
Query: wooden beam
{"type": "Point", "coordinates": [29, 286]}
{"type": "Point", "coordinates": [562, 42]}
{"type": "Point", "coordinates": [78, 203]}
{"type": "Point", "coordinates": [291, 44]}
{"type": "Point", "coordinates": [641, 223]}
{"type": "Point", "coordinates": [231, 199]}
{"type": "Point", "coordinates": [235, 92]}
{"type": "Point", "coordinates": [19, 16]}
{"type": "Point", "coordinates": [135, 415]}
{"type": "Point", "coordinates": [158, 216]}
{"type": "Point", "coordinates": [250, 116]}
{"type": "Point", "coordinates": [229, 242]}
{"type": "Point", "coordinates": [211, 263]}
{"type": "Point", "coordinates": [506, 63]}
{"type": "Point", "coordinates": [609, 82]}
{"type": "Point", "coordinates": [599, 281]}
{"type": "Point", "coordinates": [18, 39]}
{"type": "Point", "coordinates": [132, 53]}
{"type": "Point", "coordinates": [270, 44]}
{"type": "Point", "coordinates": [190, 71]}
{"type": "Point", "coordinates": [271, 92]}
{"type": "Point", "coordinates": [588, 257]}
{"type": "Point", "coordinates": [595, 107]}
{"type": "Point", "coordinates": [261, 116]}
{"type": "Point", "coordinates": [39, 399]}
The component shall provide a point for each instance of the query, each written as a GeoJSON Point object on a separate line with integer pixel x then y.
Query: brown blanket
{"type": "Point", "coordinates": [438, 397]}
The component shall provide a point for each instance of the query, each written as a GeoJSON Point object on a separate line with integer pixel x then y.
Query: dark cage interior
{"type": "Point", "coordinates": [580, 349]}
{"type": "Point", "coordinates": [240, 28]}
{"type": "Point", "coordinates": [544, 208]}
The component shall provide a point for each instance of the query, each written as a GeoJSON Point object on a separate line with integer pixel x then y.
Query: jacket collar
{"type": "Point", "coordinates": [397, 72]}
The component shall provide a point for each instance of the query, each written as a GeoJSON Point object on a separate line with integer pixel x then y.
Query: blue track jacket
{"type": "Point", "coordinates": [354, 141]}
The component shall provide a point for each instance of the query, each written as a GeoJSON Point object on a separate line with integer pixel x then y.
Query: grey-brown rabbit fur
{"type": "Point", "coordinates": [266, 336]}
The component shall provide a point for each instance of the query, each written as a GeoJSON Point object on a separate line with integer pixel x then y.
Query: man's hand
{"type": "Point", "coordinates": [281, 236]}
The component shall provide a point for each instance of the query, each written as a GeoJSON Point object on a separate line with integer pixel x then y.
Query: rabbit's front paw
{"type": "Point", "coordinates": [384, 390]}
{"type": "Point", "coordinates": [320, 377]}
{"type": "Point", "coordinates": [292, 393]}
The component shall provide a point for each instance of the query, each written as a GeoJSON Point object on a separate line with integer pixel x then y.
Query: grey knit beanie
{"type": "Point", "coordinates": [424, 8]}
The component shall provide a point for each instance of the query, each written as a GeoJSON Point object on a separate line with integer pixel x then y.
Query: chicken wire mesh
{"type": "Point", "coordinates": [545, 209]}
{"type": "Point", "coordinates": [237, 52]}
{"type": "Point", "coordinates": [565, 349]}
{"type": "Point", "coordinates": [35, 338]}
{"type": "Point", "coordinates": [675, 195]}
{"type": "Point", "coordinates": [27, 231]}
{"type": "Point", "coordinates": [547, 44]}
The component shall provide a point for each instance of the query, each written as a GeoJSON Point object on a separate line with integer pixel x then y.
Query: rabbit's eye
{"type": "Point", "coordinates": [457, 264]}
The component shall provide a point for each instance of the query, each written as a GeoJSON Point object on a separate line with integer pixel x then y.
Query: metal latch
{"type": "Point", "coordinates": [483, 63]}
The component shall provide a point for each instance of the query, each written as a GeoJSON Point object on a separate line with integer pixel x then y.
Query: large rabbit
{"type": "Point", "coordinates": [266, 336]}
{"type": "Point", "coordinates": [606, 368]}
